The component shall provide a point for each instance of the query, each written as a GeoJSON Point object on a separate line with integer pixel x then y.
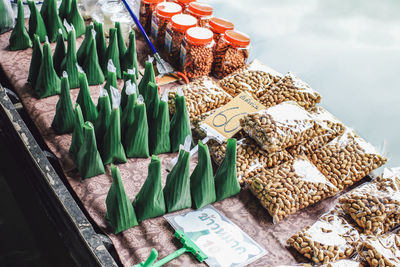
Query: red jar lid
{"type": "Point", "coordinates": [168, 9]}
{"type": "Point", "coordinates": [199, 35]}
{"type": "Point", "coordinates": [237, 38]}
{"type": "Point", "coordinates": [182, 22]}
{"type": "Point", "coordinates": [186, 2]}
{"type": "Point", "coordinates": [219, 25]}
{"type": "Point", "coordinates": [152, 1]}
{"type": "Point", "coordinates": [200, 9]}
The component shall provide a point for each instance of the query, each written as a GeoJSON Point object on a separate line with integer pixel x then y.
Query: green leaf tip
{"type": "Point", "coordinates": [77, 134]}
{"type": "Point", "coordinates": [180, 124]}
{"type": "Point", "coordinates": [70, 63]}
{"type": "Point", "coordinates": [101, 44]}
{"type": "Point", "coordinates": [84, 99]}
{"type": "Point", "coordinates": [137, 134]}
{"type": "Point", "coordinates": [64, 9]}
{"type": "Point", "coordinates": [59, 53]}
{"type": "Point", "coordinates": [36, 61]}
{"type": "Point", "coordinates": [148, 76]}
{"type": "Point", "coordinates": [130, 57]}
{"type": "Point", "coordinates": [102, 122]}
{"type": "Point", "coordinates": [91, 65]}
{"type": "Point", "coordinates": [112, 53]}
{"type": "Point", "coordinates": [121, 44]}
{"type": "Point", "coordinates": [75, 18]}
{"type": "Point", "coordinates": [64, 119]}
{"type": "Point", "coordinates": [36, 23]}
{"type": "Point", "coordinates": [83, 51]}
{"type": "Point", "coordinates": [113, 151]}
{"type": "Point", "coordinates": [160, 140]}
{"type": "Point", "coordinates": [19, 38]}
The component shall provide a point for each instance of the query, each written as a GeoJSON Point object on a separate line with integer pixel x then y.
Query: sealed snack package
{"type": "Point", "coordinates": [380, 250]}
{"type": "Point", "coordinates": [329, 239]}
{"type": "Point", "coordinates": [344, 263]}
{"type": "Point", "coordinates": [347, 159]}
{"type": "Point", "coordinates": [282, 126]}
{"type": "Point", "coordinates": [375, 206]}
{"type": "Point", "coordinates": [289, 187]}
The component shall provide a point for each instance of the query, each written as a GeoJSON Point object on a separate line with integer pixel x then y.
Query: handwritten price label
{"type": "Point", "coordinates": [224, 122]}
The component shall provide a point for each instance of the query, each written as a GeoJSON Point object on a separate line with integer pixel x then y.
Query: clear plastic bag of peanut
{"type": "Point", "coordinates": [329, 239]}
{"type": "Point", "coordinates": [344, 263]}
{"type": "Point", "coordinates": [289, 187]}
{"type": "Point", "coordinates": [347, 159]}
{"type": "Point", "coordinates": [375, 206]}
{"type": "Point", "coordinates": [281, 126]}
{"type": "Point", "coordinates": [380, 251]}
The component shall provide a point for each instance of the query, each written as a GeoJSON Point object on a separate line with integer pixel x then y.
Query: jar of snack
{"type": "Point", "coordinates": [174, 35]}
{"type": "Point", "coordinates": [202, 12]}
{"type": "Point", "coordinates": [219, 26]}
{"type": "Point", "coordinates": [231, 53]}
{"type": "Point", "coordinates": [161, 16]}
{"type": "Point", "coordinates": [183, 3]}
{"type": "Point", "coordinates": [147, 7]}
{"type": "Point", "coordinates": [196, 54]}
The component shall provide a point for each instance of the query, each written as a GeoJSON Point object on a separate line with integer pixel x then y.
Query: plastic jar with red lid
{"type": "Point", "coordinates": [184, 3]}
{"type": "Point", "coordinates": [174, 35]}
{"type": "Point", "coordinates": [231, 53]}
{"type": "Point", "coordinates": [202, 12]}
{"type": "Point", "coordinates": [161, 16]}
{"type": "Point", "coordinates": [219, 26]}
{"type": "Point", "coordinates": [196, 56]}
{"type": "Point", "coordinates": [147, 8]}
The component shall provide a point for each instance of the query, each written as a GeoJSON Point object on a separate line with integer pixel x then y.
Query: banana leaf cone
{"type": "Point", "coordinates": [75, 18]}
{"type": "Point", "coordinates": [19, 38]}
{"type": "Point", "coordinates": [121, 44]}
{"type": "Point", "coordinates": [52, 20]}
{"type": "Point", "coordinates": [202, 185]}
{"type": "Point", "coordinates": [226, 183]}
{"type": "Point", "coordinates": [36, 60]}
{"type": "Point", "coordinates": [36, 23]}
{"type": "Point", "coordinates": [101, 43]}
{"type": "Point", "coordinates": [82, 52]}
{"type": "Point", "coordinates": [111, 82]}
{"type": "Point", "coordinates": [177, 186]}
{"type": "Point", "coordinates": [44, 9]}
{"type": "Point", "coordinates": [69, 64]}
{"type": "Point", "coordinates": [149, 202]}
{"type": "Point", "coordinates": [77, 134]}
{"type": "Point", "coordinates": [120, 213]}
{"type": "Point", "coordinates": [160, 140]}
{"type": "Point", "coordinates": [130, 58]}
{"type": "Point", "coordinates": [148, 76]}
{"type": "Point", "coordinates": [64, 9]}
{"type": "Point", "coordinates": [91, 65]}
{"type": "Point", "coordinates": [47, 83]}
{"type": "Point", "coordinates": [128, 115]}
{"type": "Point", "coordinates": [113, 151]}
{"type": "Point", "coordinates": [127, 76]}
{"type": "Point", "coordinates": [137, 134]}
{"type": "Point", "coordinates": [152, 101]}
{"type": "Point", "coordinates": [180, 124]}
{"type": "Point", "coordinates": [89, 110]}
{"type": "Point", "coordinates": [88, 159]}
{"type": "Point", "coordinates": [112, 53]}
{"type": "Point", "coordinates": [59, 53]}
{"type": "Point", "coordinates": [102, 122]}
{"type": "Point", "coordinates": [64, 119]}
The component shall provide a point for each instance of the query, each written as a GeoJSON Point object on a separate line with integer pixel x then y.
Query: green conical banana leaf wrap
{"type": "Point", "coordinates": [128, 115]}
{"type": "Point", "coordinates": [128, 76]}
{"type": "Point", "coordinates": [149, 202]}
{"type": "Point", "coordinates": [52, 20]}
{"type": "Point", "coordinates": [121, 45]}
{"type": "Point", "coordinates": [36, 61]}
{"type": "Point", "coordinates": [36, 23]}
{"type": "Point", "coordinates": [64, 119]}
{"type": "Point", "coordinates": [75, 18]}
{"type": "Point", "coordinates": [180, 123]}
{"type": "Point", "coordinates": [64, 9]}
{"type": "Point", "coordinates": [152, 101]}
{"type": "Point", "coordinates": [47, 83]}
{"type": "Point", "coordinates": [120, 213]}
{"type": "Point", "coordinates": [82, 52]}
{"type": "Point", "coordinates": [177, 187]}
{"type": "Point", "coordinates": [113, 151]}
{"type": "Point", "coordinates": [70, 63]}
{"type": "Point", "coordinates": [101, 44]}
{"type": "Point", "coordinates": [111, 78]}
{"type": "Point", "coordinates": [89, 110]}
{"type": "Point", "coordinates": [19, 38]}
{"type": "Point", "coordinates": [148, 76]}
{"type": "Point", "coordinates": [112, 53]}
{"type": "Point", "coordinates": [226, 183]}
{"type": "Point", "coordinates": [130, 58]}
{"type": "Point", "coordinates": [77, 134]}
{"type": "Point", "coordinates": [160, 141]}
{"type": "Point", "coordinates": [88, 159]}
{"type": "Point", "coordinates": [102, 122]}
{"type": "Point", "coordinates": [91, 64]}
{"type": "Point", "coordinates": [202, 185]}
{"type": "Point", "coordinates": [59, 53]}
{"type": "Point", "coordinates": [137, 134]}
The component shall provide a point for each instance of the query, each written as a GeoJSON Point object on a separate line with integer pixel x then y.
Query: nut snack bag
{"type": "Point", "coordinates": [347, 159]}
{"type": "Point", "coordinates": [380, 251]}
{"type": "Point", "coordinates": [344, 263]}
{"type": "Point", "coordinates": [282, 126]}
{"type": "Point", "coordinates": [375, 206]}
{"type": "Point", "coordinates": [329, 239]}
{"type": "Point", "coordinates": [289, 187]}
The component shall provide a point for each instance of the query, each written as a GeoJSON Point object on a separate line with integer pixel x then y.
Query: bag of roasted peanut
{"type": "Point", "coordinates": [329, 239]}
{"type": "Point", "coordinates": [344, 263]}
{"type": "Point", "coordinates": [347, 159]}
{"type": "Point", "coordinates": [380, 251]}
{"type": "Point", "coordinates": [375, 206]}
{"type": "Point", "coordinates": [282, 126]}
{"type": "Point", "coordinates": [289, 187]}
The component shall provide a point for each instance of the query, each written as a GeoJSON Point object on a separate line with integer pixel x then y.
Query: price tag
{"type": "Point", "coordinates": [224, 122]}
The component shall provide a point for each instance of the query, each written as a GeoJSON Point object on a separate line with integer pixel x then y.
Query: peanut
{"type": "Point", "coordinates": [380, 250]}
